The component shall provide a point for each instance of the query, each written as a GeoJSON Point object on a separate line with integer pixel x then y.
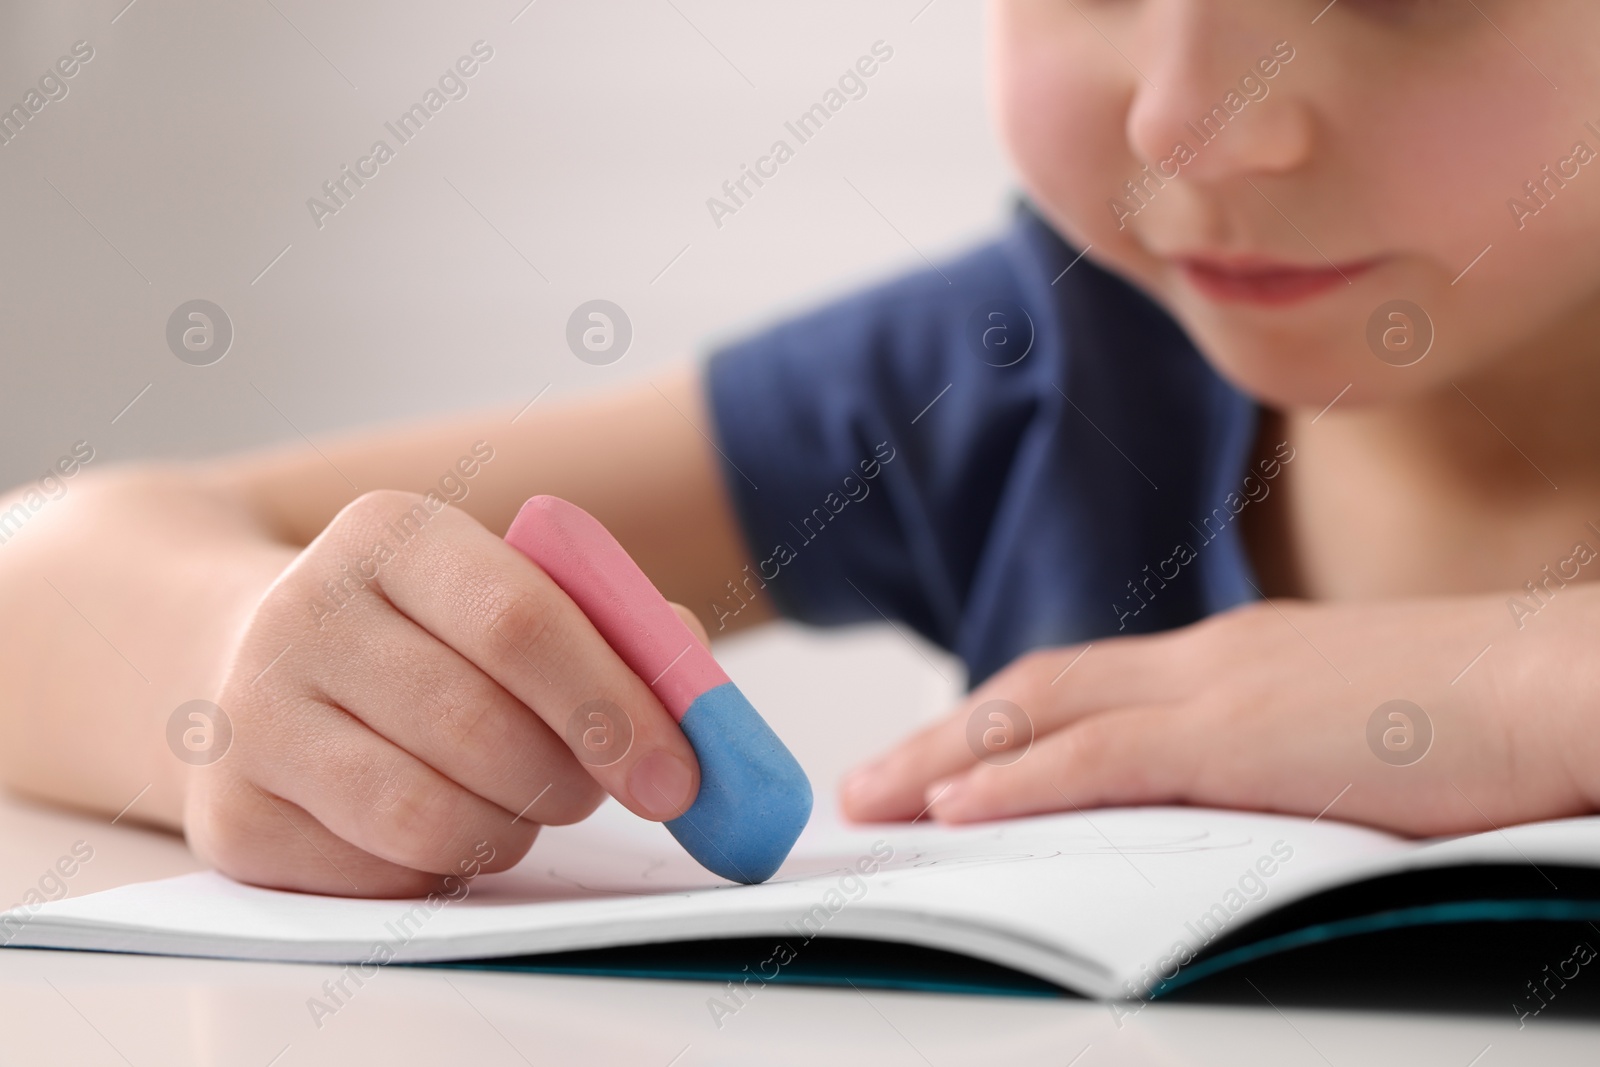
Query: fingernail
{"type": "Point", "coordinates": [662, 786]}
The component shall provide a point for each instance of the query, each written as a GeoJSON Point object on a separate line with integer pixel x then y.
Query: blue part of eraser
{"type": "Point", "coordinates": [754, 799]}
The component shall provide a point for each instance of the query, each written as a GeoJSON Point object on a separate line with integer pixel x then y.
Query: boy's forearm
{"type": "Point", "coordinates": [122, 600]}
{"type": "Point", "coordinates": [1557, 678]}
{"type": "Point", "coordinates": [639, 459]}
{"type": "Point", "coordinates": [125, 598]}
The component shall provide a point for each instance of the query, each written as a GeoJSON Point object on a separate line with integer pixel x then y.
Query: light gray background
{"type": "Point", "coordinates": [590, 142]}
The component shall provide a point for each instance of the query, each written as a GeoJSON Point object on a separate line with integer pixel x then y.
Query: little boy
{"type": "Point", "coordinates": [1253, 464]}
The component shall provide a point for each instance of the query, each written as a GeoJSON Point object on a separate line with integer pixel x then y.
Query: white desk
{"type": "Point", "coordinates": [78, 1008]}
{"type": "Point", "coordinates": [87, 1009]}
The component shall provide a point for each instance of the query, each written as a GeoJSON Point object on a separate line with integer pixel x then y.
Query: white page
{"type": "Point", "coordinates": [1081, 900]}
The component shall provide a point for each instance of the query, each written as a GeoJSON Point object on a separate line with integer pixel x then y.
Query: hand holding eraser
{"type": "Point", "coordinates": [754, 799]}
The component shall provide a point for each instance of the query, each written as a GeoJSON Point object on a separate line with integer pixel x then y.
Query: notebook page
{"type": "Point", "coordinates": [1082, 899]}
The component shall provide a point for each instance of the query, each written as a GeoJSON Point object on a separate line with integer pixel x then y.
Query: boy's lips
{"type": "Point", "coordinates": [1256, 280]}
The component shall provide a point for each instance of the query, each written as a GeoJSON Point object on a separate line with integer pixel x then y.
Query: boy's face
{"type": "Point", "coordinates": [1304, 174]}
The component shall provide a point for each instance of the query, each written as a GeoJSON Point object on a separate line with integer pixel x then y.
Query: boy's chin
{"type": "Point", "coordinates": [1310, 376]}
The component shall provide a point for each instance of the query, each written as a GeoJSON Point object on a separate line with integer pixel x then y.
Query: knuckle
{"type": "Point", "coordinates": [1103, 753]}
{"type": "Point", "coordinates": [1095, 738]}
{"type": "Point", "coordinates": [375, 507]}
{"type": "Point", "coordinates": [1023, 682]}
{"type": "Point", "coordinates": [350, 556]}
{"type": "Point", "coordinates": [1023, 671]}
{"type": "Point", "coordinates": [460, 715]}
{"type": "Point", "coordinates": [989, 785]}
{"type": "Point", "coordinates": [415, 821]}
{"type": "Point", "coordinates": [1040, 660]}
{"type": "Point", "coordinates": [1025, 678]}
{"type": "Point", "coordinates": [524, 618]}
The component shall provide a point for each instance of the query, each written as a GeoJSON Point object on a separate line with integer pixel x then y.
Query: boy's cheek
{"type": "Point", "coordinates": [1060, 102]}
{"type": "Point", "coordinates": [1253, 87]}
{"type": "Point", "coordinates": [1071, 154]}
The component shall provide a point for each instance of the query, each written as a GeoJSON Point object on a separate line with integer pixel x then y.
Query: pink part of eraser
{"type": "Point", "coordinates": [582, 557]}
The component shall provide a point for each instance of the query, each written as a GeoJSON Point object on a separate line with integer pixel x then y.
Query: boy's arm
{"type": "Point", "coordinates": [640, 460]}
{"type": "Point", "coordinates": [125, 598]}
{"type": "Point", "coordinates": [1422, 716]}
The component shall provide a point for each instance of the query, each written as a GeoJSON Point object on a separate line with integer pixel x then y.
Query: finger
{"type": "Point", "coordinates": [1036, 695]}
{"type": "Point", "coordinates": [425, 697]}
{"type": "Point", "coordinates": [692, 621]}
{"type": "Point", "coordinates": [264, 840]}
{"type": "Point", "coordinates": [373, 794]}
{"type": "Point", "coordinates": [892, 788]}
{"type": "Point", "coordinates": [491, 604]}
{"type": "Point", "coordinates": [1145, 755]}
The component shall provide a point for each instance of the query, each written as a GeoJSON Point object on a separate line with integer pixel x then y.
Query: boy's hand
{"type": "Point", "coordinates": [1275, 706]}
{"type": "Point", "coordinates": [393, 711]}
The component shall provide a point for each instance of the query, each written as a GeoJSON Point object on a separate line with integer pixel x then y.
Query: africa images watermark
{"type": "Point", "coordinates": [1255, 489]}
{"type": "Point", "coordinates": [1541, 190]}
{"type": "Point", "coordinates": [53, 86]}
{"type": "Point", "coordinates": [51, 885]}
{"type": "Point", "coordinates": [1142, 188]}
{"type": "Point", "coordinates": [1250, 887]}
{"type": "Point", "coordinates": [51, 486]}
{"type": "Point", "coordinates": [855, 490]}
{"type": "Point", "coordinates": [852, 85]}
{"type": "Point", "coordinates": [1582, 953]}
{"type": "Point", "coordinates": [1399, 732]}
{"type": "Point", "coordinates": [336, 992]}
{"type": "Point", "coordinates": [199, 332]}
{"type": "Point", "coordinates": [1540, 591]}
{"type": "Point", "coordinates": [452, 85]}
{"type": "Point", "coordinates": [452, 488]}
{"type": "Point", "coordinates": [850, 887]}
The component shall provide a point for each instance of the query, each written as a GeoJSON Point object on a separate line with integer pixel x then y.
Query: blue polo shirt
{"type": "Point", "coordinates": [1010, 451]}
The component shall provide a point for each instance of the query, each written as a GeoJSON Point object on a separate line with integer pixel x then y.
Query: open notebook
{"type": "Point", "coordinates": [1113, 904]}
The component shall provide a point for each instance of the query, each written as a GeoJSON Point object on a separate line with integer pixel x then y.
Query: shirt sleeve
{"type": "Point", "coordinates": [867, 444]}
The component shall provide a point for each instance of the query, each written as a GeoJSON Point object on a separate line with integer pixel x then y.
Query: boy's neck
{"type": "Point", "coordinates": [1541, 398]}
{"type": "Point", "coordinates": [1459, 490]}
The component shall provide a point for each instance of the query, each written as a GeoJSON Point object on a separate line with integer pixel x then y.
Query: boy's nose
{"type": "Point", "coordinates": [1202, 85]}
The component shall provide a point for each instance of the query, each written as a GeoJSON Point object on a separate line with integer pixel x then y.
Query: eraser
{"type": "Point", "coordinates": [754, 799]}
